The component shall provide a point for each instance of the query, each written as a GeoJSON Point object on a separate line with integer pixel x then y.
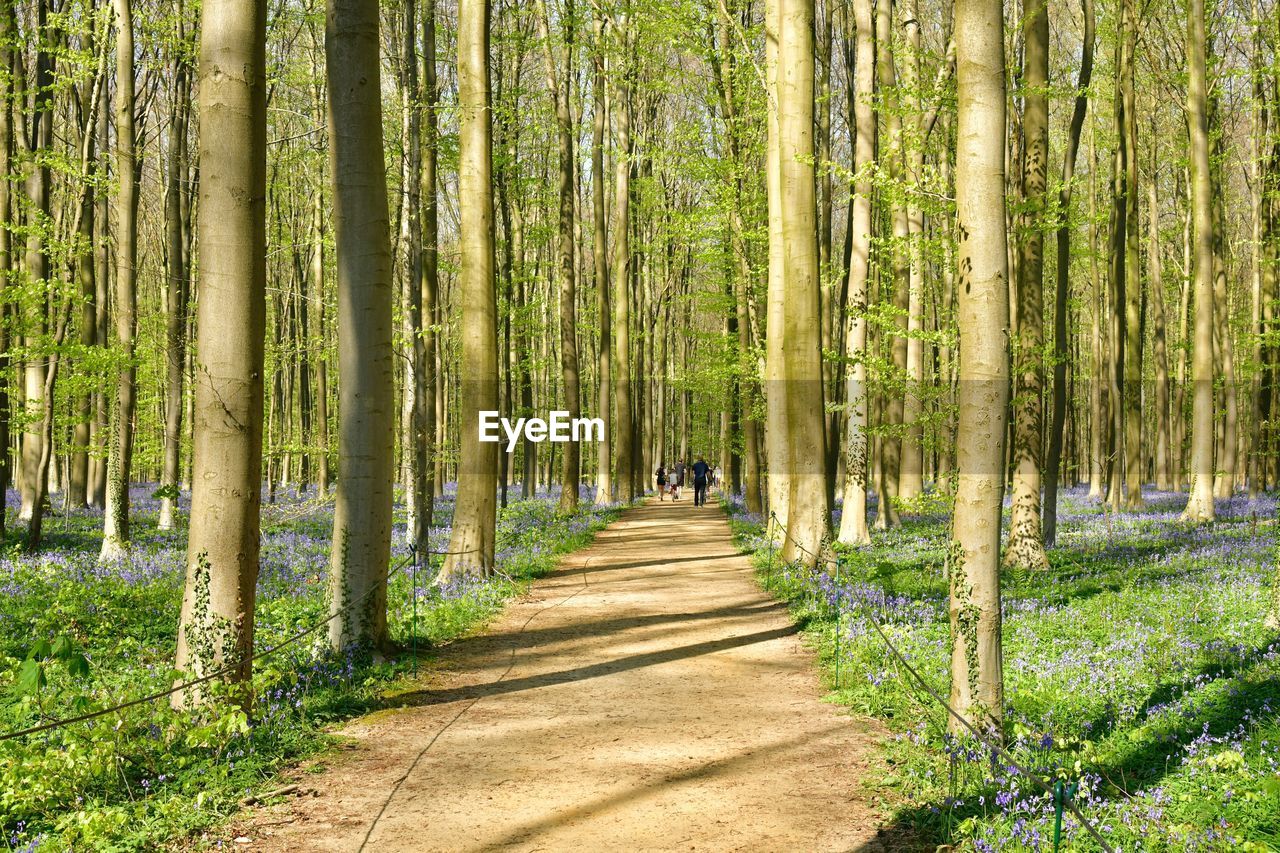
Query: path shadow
{"type": "Point", "coordinates": [590, 569]}
{"type": "Point", "coordinates": [601, 627]}
{"type": "Point", "coordinates": [707, 770]}
{"type": "Point", "coordinates": [596, 670]}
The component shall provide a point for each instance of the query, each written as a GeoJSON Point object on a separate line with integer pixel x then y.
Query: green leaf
{"type": "Point", "coordinates": [30, 677]}
{"type": "Point", "coordinates": [78, 666]}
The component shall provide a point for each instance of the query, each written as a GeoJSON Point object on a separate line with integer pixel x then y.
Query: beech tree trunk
{"type": "Point", "coordinates": [176, 288]}
{"type": "Point", "coordinates": [853, 520]}
{"type": "Point", "coordinates": [808, 514]}
{"type": "Point", "coordinates": [7, 29]}
{"type": "Point", "coordinates": [624, 425]}
{"type": "Point", "coordinates": [1025, 547]}
{"type": "Point", "coordinates": [223, 541]}
{"type": "Point", "coordinates": [776, 431]}
{"type": "Point", "coordinates": [1053, 466]}
{"type": "Point", "coordinates": [428, 376]}
{"type": "Point", "coordinates": [891, 155]}
{"type": "Point", "coordinates": [361, 545]}
{"type": "Point", "coordinates": [1200, 502]}
{"type": "Point", "coordinates": [39, 138]}
{"type": "Point", "coordinates": [571, 465]}
{"type": "Point", "coordinates": [977, 678]}
{"type": "Point", "coordinates": [600, 262]}
{"type": "Point", "coordinates": [115, 524]}
{"type": "Point", "coordinates": [475, 513]}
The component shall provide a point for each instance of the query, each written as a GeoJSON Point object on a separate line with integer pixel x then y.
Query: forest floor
{"type": "Point", "coordinates": [647, 694]}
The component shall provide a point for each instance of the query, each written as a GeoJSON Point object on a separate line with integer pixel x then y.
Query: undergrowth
{"type": "Point", "coordinates": [1137, 669]}
{"type": "Point", "coordinates": [77, 636]}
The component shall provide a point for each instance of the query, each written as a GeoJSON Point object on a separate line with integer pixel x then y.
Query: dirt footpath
{"type": "Point", "coordinates": [646, 696]}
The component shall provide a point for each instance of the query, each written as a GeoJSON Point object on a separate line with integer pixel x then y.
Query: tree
{"type": "Point", "coordinates": [808, 514]}
{"type": "Point", "coordinates": [891, 159]}
{"type": "Point", "coordinates": [36, 269]}
{"type": "Point", "coordinates": [223, 540]}
{"type": "Point", "coordinates": [600, 264]}
{"type": "Point", "coordinates": [977, 678]}
{"type": "Point", "coordinates": [1025, 547]}
{"type": "Point", "coordinates": [1200, 503]}
{"type": "Point", "coordinates": [620, 273]}
{"type": "Point", "coordinates": [1061, 343]}
{"type": "Point", "coordinates": [558, 87]}
{"type": "Point", "coordinates": [853, 521]}
{"type": "Point", "coordinates": [115, 521]}
{"type": "Point", "coordinates": [777, 453]}
{"type": "Point", "coordinates": [361, 546]}
{"type": "Point", "coordinates": [415, 387]}
{"type": "Point", "coordinates": [176, 288]}
{"type": "Point", "coordinates": [475, 515]}
{"type": "Point", "coordinates": [428, 377]}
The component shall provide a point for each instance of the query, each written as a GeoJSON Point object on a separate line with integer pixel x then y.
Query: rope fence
{"type": "Point", "coordinates": [1060, 797]}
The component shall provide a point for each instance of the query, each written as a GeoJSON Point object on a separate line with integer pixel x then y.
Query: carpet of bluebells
{"type": "Point", "coordinates": [77, 635]}
{"type": "Point", "coordinates": [1137, 669]}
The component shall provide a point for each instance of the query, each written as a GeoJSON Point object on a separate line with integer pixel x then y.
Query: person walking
{"type": "Point", "coordinates": [662, 483]}
{"type": "Point", "coordinates": [701, 471]}
{"type": "Point", "coordinates": [715, 478]}
{"type": "Point", "coordinates": [679, 470]}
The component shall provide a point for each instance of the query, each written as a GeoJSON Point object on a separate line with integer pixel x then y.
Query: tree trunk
{"type": "Point", "coordinates": [428, 377]}
{"type": "Point", "coordinates": [600, 261]}
{"type": "Point", "coordinates": [853, 520]}
{"type": "Point", "coordinates": [977, 679]}
{"type": "Point", "coordinates": [808, 514]}
{"type": "Point", "coordinates": [415, 454]}
{"type": "Point", "coordinates": [776, 432]}
{"type": "Point", "coordinates": [102, 279]}
{"type": "Point", "coordinates": [78, 476]}
{"type": "Point", "coordinates": [1200, 503]}
{"type": "Point", "coordinates": [621, 274]}
{"type": "Point", "coordinates": [366, 360]}
{"type": "Point", "coordinates": [8, 29]}
{"type": "Point", "coordinates": [175, 289]}
{"type": "Point", "coordinates": [115, 524]}
{"type": "Point", "coordinates": [39, 125]}
{"type": "Point", "coordinates": [323, 474]}
{"type": "Point", "coordinates": [891, 156]}
{"type": "Point", "coordinates": [911, 477]}
{"type": "Point", "coordinates": [475, 515]}
{"type": "Point", "coordinates": [1025, 548]}
{"type": "Point", "coordinates": [1155, 282]}
{"type": "Point", "coordinates": [223, 540]}
{"type": "Point", "coordinates": [1133, 297]}
{"type": "Point", "coordinates": [570, 471]}
{"type": "Point", "coordinates": [1061, 353]}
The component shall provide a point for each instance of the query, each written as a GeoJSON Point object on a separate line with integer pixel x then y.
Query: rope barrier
{"type": "Point", "coordinates": [995, 746]}
{"type": "Point", "coordinates": [411, 559]}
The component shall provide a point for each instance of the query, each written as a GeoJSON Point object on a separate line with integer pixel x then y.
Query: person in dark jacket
{"type": "Point", "coordinates": [701, 473]}
{"type": "Point", "coordinates": [662, 483]}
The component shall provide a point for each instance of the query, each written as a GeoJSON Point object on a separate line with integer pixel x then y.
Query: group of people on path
{"type": "Point", "coordinates": [703, 477]}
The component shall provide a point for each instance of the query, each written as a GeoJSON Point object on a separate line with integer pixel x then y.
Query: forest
{"type": "Point", "coordinates": [966, 310]}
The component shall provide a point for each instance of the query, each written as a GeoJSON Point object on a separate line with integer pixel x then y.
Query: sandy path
{"type": "Point", "coordinates": [646, 696]}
